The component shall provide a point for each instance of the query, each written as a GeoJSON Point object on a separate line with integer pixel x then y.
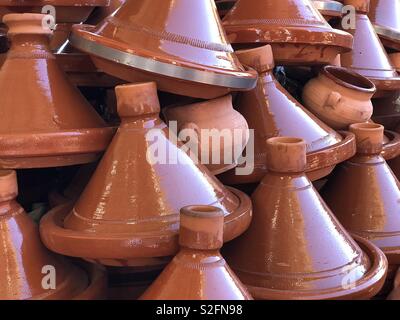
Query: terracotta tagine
{"type": "Point", "coordinates": [385, 17]}
{"type": "Point", "coordinates": [180, 44]}
{"type": "Point", "coordinates": [271, 111]}
{"type": "Point", "coordinates": [44, 120]}
{"type": "Point", "coordinates": [339, 97]}
{"type": "Point", "coordinates": [27, 266]}
{"type": "Point", "coordinates": [329, 8]}
{"type": "Point", "coordinates": [295, 248]}
{"type": "Point", "coordinates": [201, 121]}
{"type": "Point", "coordinates": [395, 294]}
{"type": "Point", "coordinates": [128, 214]}
{"type": "Point", "coordinates": [364, 194]}
{"type": "Point", "coordinates": [296, 30]}
{"type": "Point", "coordinates": [369, 57]}
{"type": "Point", "coordinates": [198, 271]}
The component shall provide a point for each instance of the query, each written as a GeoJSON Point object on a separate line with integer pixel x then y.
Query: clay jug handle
{"type": "Point", "coordinates": [333, 99]}
{"type": "Point", "coordinates": [191, 126]}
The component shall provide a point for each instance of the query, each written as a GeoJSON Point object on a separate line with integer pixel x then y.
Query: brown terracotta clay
{"type": "Point", "coordinates": [44, 120]}
{"type": "Point", "coordinates": [328, 8]}
{"type": "Point", "coordinates": [339, 97]}
{"type": "Point", "coordinates": [271, 111]}
{"type": "Point", "coordinates": [198, 271]}
{"type": "Point", "coordinates": [128, 213]}
{"type": "Point", "coordinates": [395, 294]}
{"type": "Point", "coordinates": [295, 248]}
{"type": "Point", "coordinates": [364, 194]}
{"type": "Point", "coordinates": [295, 29]}
{"type": "Point", "coordinates": [385, 17]}
{"type": "Point", "coordinates": [180, 44]}
{"type": "Point", "coordinates": [368, 56]}
{"type": "Point", "coordinates": [395, 59]}
{"type": "Point", "coordinates": [101, 13]}
{"type": "Point", "coordinates": [217, 114]}
{"type": "Point", "coordinates": [23, 257]}
{"type": "Point", "coordinates": [60, 35]}
{"type": "Point", "coordinates": [224, 6]}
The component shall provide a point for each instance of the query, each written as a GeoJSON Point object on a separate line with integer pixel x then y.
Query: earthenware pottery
{"type": "Point", "coordinates": [224, 130]}
{"type": "Point", "coordinates": [271, 111]}
{"type": "Point", "coordinates": [198, 271]}
{"type": "Point", "coordinates": [101, 13]}
{"type": "Point", "coordinates": [368, 56]}
{"type": "Point", "coordinates": [386, 112]}
{"type": "Point", "coordinates": [339, 97]}
{"type": "Point", "coordinates": [364, 194]}
{"type": "Point", "coordinates": [44, 120]}
{"type": "Point", "coordinates": [385, 17]}
{"type": "Point", "coordinates": [60, 35]}
{"type": "Point", "coordinates": [395, 295]}
{"type": "Point", "coordinates": [25, 262]}
{"type": "Point", "coordinates": [180, 44]}
{"type": "Point", "coordinates": [224, 6]}
{"type": "Point", "coordinates": [395, 59]}
{"type": "Point", "coordinates": [328, 8]}
{"type": "Point", "coordinates": [295, 248]}
{"type": "Point", "coordinates": [128, 214]}
{"type": "Point", "coordinates": [296, 30]}
{"type": "Point", "coordinates": [391, 145]}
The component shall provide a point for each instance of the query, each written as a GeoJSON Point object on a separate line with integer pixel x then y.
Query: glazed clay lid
{"type": "Point", "coordinates": [39, 109]}
{"type": "Point", "coordinates": [296, 30]}
{"type": "Point", "coordinates": [180, 44]}
{"type": "Point", "coordinates": [198, 271]}
{"type": "Point", "coordinates": [130, 208]}
{"type": "Point", "coordinates": [295, 248]}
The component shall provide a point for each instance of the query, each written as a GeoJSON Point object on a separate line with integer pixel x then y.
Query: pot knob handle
{"type": "Point", "coordinates": [333, 99]}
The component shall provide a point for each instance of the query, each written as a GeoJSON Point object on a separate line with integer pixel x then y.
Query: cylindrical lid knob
{"type": "Point", "coordinates": [286, 155]}
{"type": "Point", "coordinates": [137, 99]}
{"type": "Point", "coordinates": [361, 6]}
{"type": "Point", "coordinates": [27, 23]}
{"type": "Point", "coordinates": [260, 59]}
{"type": "Point", "coordinates": [201, 227]}
{"type": "Point", "coordinates": [8, 185]}
{"type": "Point", "coordinates": [369, 137]}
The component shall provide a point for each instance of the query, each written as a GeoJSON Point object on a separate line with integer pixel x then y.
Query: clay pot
{"type": "Point", "coordinates": [217, 114]}
{"type": "Point", "coordinates": [179, 44]}
{"type": "Point", "coordinates": [198, 271]}
{"type": "Point", "coordinates": [369, 57]}
{"type": "Point", "coordinates": [395, 59]}
{"type": "Point", "coordinates": [395, 295]}
{"type": "Point", "coordinates": [295, 29]}
{"type": "Point", "coordinates": [294, 247]}
{"type": "Point", "coordinates": [364, 193]}
{"type": "Point", "coordinates": [44, 120]}
{"type": "Point", "coordinates": [385, 17]}
{"type": "Point", "coordinates": [339, 97]}
{"type": "Point", "coordinates": [26, 262]}
{"type": "Point", "coordinates": [271, 111]}
{"type": "Point", "coordinates": [128, 213]}
{"type": "Point", "coordinates": [328, 8]}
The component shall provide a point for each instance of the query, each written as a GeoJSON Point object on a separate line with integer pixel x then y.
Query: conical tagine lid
{"type": "Point", "coordinates": [296, 30]}
{"type": "Point", "coordinates": [198, 271]}
{"type": "Point", "coordinates": [180, 44]}
{"type": "Point", "coordinates": [130, 208]}
{"type": "Point", "coordinates": [271, 111]}
{"type": "Point", "coordinates": [44, 120]}
{"type": "Point", "coordinates": [365, 195]}
{"type": "Point", "coordinates": [295, 248]}
{"type": "Point", "coordinates": [369, 57]}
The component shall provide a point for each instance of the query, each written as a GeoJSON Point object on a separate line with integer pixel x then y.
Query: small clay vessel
{"type": "Point", "coordinates": [180, 44]}
{"type": "Point", "coordinates": [217, 114]}
{"type": "Point", "coordinates": [271, 111]}
{"type": "Point", "coordinates": [329, 8]}
{"type": "Point", "coordinates": [296, 30]}
{"type": "Point", "coordinates": [198, 271]}
{"type": "Point", "coordinates": [44, 120]}
{"type": "Point", "coordinates": [368, 56]}
{"type": "Point", "coordinates": [385, 17]}
{"type": "Point", "coordinates": [295, 248]}
{"type": "Point", "coordinates": [128, 214]}
{"type": "Point", "coordinates": [25, 262]}
{"type": "Point", "coordinates": [339, 97]}
{"type": "Point", "coordinates": [364, 194]}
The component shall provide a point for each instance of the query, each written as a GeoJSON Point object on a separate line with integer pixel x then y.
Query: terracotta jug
{"type": "Point", "coordinates": [329, 8]}
{"type": "Point", "coordinates": [198, 271]}
{"type": "Point", "coordinates": [385, 17]}
{"type": "Point", "coordinates": [271, 111]}
{"type": "Point", "coordinates": [295, 248]}
{"type": "Point", "coordinates": [180, 44]}
{"type": "Point", "coordinates": [339, 97]}
{"type": "Point", "coordinates": [368, 57]}
{"type": "Point", "coordinates": [211, 115]}
{"type": "Point", "coordinates": [296, 30]}
{"type": "Point", "coordinates": [25, 262]}
{"type": "Point", "coordinates": [364, 194]}
{"type": "Point", "coordinates": [128, 214]}
{"type": "Point", "coordinates": [44, 120]}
